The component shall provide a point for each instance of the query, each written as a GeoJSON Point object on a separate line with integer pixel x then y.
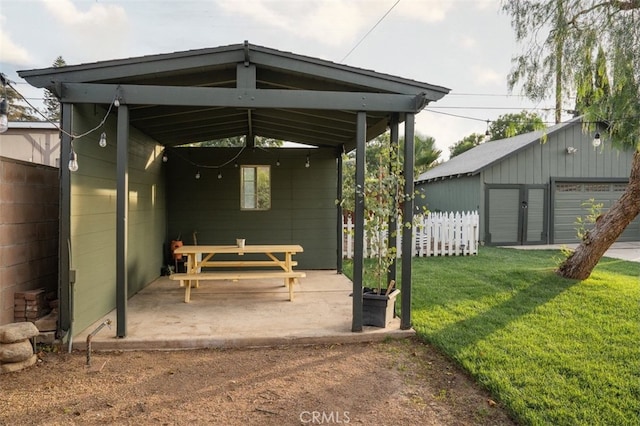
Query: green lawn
{"type": "Point", "coordinates": [553, 351]}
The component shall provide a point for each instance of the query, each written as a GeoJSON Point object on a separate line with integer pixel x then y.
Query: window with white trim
{"type": "Point", "coordinates": [255, 187]}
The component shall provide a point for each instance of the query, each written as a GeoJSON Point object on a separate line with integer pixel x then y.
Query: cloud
{"type": "Point", "coordinates": [467, 42]}
{"type": "Point", "coordinates": [425, 11]}
{"type": "Point", "coordinates": [487, 4]}
{"type": "Point", "coordinates": [12, 53]}
{"type": "Point", "coordinates": [98, 14]}
{"type": "Point", "coordinates": [331, 22]}
{"type": "Point", "coordinates": [486, 76]}
{"type": "Point", "coordinates": [101, 30]}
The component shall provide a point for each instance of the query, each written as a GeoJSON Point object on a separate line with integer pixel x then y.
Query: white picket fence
{"type": "Point", "coordinates": [435, 234]}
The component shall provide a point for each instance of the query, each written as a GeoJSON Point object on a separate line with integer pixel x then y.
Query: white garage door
{"type": "Point", "coordinates": [571, 201]}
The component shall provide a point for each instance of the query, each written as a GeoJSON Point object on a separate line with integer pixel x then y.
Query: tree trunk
{"type": "Point", "coordinates": [607, 229]}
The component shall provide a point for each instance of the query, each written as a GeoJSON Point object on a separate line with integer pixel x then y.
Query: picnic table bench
{"type": "Point", "coordinates": [199, 257]}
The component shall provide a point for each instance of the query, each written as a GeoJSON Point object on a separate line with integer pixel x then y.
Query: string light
{"type": "Point", "coordinates": [73, 160]}
{"type": "Point", "coordinates": [103, 140]}
{"type": "Point", "coordinates": [176, 152]}
{"type": "Point", "coordinates": [198, 174]}
{"type": "Point", "coordinates": [307, 163]}
{"type": "Point", "coordinates": [115, 102]}
{"type": "Point", "coordinates": [220, 175]}
{"type": "Point", "coordinates": [165, 158]}
{"type": "Point", "coordinates": [596, 140]}
{"type": "Point", "coordinates": [73, 157]}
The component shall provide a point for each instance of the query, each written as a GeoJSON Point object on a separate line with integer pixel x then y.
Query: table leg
{"type": "Point", "coordinates": [288, 267]}
{"type": "Point", "coordinates": [290, 283]}
{"type": "Point", "coordinates": [187, 291]}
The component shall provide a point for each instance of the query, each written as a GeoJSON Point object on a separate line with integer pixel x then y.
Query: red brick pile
{"type": "Point", "coordinates": [30, 305]}
{"type": "Point", "coordinates": [40, 308]}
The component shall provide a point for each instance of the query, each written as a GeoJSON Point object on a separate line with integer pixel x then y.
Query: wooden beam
{"type": "Point", "coordinates": [407, 218]}
{"type": "Point", "coordinates": [339, 212]}
{"type": "Point", "coordinates": [358, 250]}
{"type": "Point", "coordinates": [65, 276]}
{"type": "Point", "coordinates": [240, 97]}
{"type": "Point", "coordinates": [122, 210]}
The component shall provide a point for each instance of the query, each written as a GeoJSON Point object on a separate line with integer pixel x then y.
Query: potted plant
{"type": "Point", "coordinates": [378, 308]}
{"type": "Point", "coordinates": [383, 198]}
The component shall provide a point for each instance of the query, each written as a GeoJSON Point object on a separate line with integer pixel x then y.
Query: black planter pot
{"type": "Point", "coordinates": [378, 310]}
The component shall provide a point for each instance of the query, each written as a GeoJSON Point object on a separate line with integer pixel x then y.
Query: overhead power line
{"type": "Point", "coordinates": [370, 31]}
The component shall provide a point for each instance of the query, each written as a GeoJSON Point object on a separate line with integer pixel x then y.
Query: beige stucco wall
{"type": "Point", "coordinates": [31, 143]}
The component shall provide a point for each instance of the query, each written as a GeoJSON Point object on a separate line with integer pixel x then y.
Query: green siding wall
{"type": "Point", "coordinates": [450, 195]}
{"type": "Point", "coordinates": [93, 217]}
{"type": "Point", "coordinates": [539, 162]}
{"type": "Point", "coordinates": [303, 209]}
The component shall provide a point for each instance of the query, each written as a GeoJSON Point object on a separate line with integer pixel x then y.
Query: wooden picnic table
{"type": "Point", "coordinates": [203, 256]}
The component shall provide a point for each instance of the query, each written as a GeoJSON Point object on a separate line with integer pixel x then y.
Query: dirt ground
{"type": "Point", "coordinates": [402, 382]}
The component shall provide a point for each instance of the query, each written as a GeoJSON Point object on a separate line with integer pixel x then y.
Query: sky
{"type": "Point", "coordinates": [464, 45]}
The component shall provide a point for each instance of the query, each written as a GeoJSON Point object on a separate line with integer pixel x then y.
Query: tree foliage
{"type": "Point", "coordinates": [238, 141]}
{"type": "Point", "coordinates": [380, 156]}
{"type": "Point", "coordinates": [383, 198]}
{"type": "Point", "coordinates": [465, 144]}
{"type": "Point", "coordinates": [426, 153]}
{"type": "Point", "coordinates": [17, 110]}
{"type": "Point", "coordinates": [379, 153]}
{"type": "Point", "coordinates": [561, 38]}
{"type": "Point", "coordinates": [505, 126]}
{"type": "Point", "coordinates": [509, 125]}
{"type": "Point", "coordinates": [51, 102]}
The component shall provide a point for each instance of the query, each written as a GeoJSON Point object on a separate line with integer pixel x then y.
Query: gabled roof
{"type": "Point", "coordinates": [475, 160]}
{"type": "Point", "coordinates": [241, 89]}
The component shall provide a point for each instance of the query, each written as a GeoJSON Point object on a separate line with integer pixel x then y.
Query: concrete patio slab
{"type": "Point", "coordinates": [224, 314]}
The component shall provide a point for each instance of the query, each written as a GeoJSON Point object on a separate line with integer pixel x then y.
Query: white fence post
{"type": "Point", "coordinates": [435, 234]}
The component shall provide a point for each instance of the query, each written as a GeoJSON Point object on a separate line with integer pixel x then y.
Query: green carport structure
{"type": "Point", "coordinates": [121, 199]}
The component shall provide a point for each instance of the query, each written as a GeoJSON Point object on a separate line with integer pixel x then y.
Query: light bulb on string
{"type": "Point", "coordinates": [596, 140]}
{"type": "Point", "coordinates": [307, 163]}
{"type": "Point", "coordinates": [198, 174]}
{"type": "Point", "coordinates": [165, 158]}
{"type": "Point", "coordinates": [73, 160]}
{"type": "Point", "coordinates": [103, 140]}
{"type": "Point", "coordinates": [219, 175]}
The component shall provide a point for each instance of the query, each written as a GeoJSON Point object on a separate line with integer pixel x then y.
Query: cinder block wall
{"type": "Point", "coordinates": [28, 230]}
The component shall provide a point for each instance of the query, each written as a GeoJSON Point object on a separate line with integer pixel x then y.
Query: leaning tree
{"type": "Point", "coordinates": [560, 38]}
